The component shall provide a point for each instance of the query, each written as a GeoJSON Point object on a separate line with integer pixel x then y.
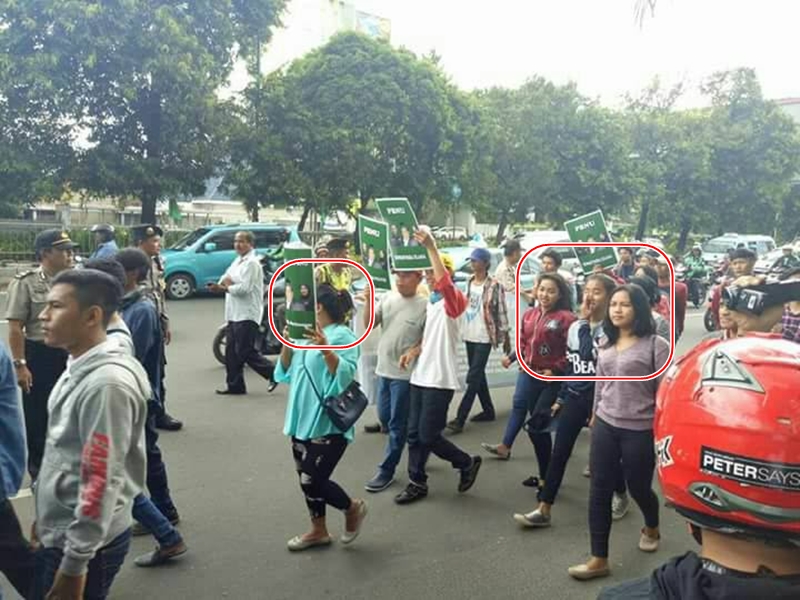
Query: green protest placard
{"type": "Point", "coordinates": [591, 228]}
{"type": "Point", "coordinates": [301, 291]}
{"type": "Point", "coordinates": [407, 254]}
{"type": "Point", "coordinates": [374, 237]}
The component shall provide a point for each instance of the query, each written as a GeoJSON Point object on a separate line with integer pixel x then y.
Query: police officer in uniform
{"type": "Point", "coordinates": [37, 366]}
{"type": "Point", "coordinates": [148, 239]}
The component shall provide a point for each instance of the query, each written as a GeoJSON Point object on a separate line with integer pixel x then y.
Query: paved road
{"type": "Point", "coordinates": [232, 478]}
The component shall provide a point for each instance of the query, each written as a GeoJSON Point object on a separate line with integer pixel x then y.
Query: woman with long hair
{"type": "Point", "coordinates": [543, 345]}
{"type": "Point", "coordinates": [576, 396]}
{"type": "Point", "coordinates": [622, 425]}
{"type": "Point", "coordinates": [650, 289]}
{"type": "Point", "coordinates": [317, 444]}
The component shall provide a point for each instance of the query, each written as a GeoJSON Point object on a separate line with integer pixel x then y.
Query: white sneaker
{"type": "Point", "coordinates": [619, 506]}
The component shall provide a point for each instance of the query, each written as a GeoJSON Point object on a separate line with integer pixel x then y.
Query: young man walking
{"type": "Point", "coordinates": [401, 316]}
{"type": "Point", "coordinates": [485, 327]}
{"type": "Point", "coordinates": [94, 459]}
{"type": "Point", "coordinates": [434, 381]}
{"type": "Point", "coordinates": [243, 285]}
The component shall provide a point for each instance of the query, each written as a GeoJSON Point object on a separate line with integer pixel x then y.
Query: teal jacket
{"type": "Point", "coordinates": [305, 417]}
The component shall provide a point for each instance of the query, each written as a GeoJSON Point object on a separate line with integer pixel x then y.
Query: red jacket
{"type": "Point", "coordinates": [681, 294]}
{"type": "Point", "coordinates": [543, 339]}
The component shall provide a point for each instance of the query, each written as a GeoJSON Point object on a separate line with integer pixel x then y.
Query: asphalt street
{"type": "Point", "coordinates": [233, 480]}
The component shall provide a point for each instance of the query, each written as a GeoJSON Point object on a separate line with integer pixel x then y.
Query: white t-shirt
{"type": "Point", "coordinates": [437, 366]}
{"type": "Point", "coordinates": [474, 324]}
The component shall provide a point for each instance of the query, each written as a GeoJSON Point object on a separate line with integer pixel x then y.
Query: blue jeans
{"type": "Point", "coordinates": [102, 568]}
{"type": "Point", "coordinates": [146, 513]}
{"type": "Point", "coordinates": [530, 394]}
{"type": "Point", "coordinates": [393, 403]}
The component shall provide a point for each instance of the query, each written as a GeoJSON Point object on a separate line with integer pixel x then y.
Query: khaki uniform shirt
{"type": "Point", "coordinates": [154, 287]}
{"type": "Point", "coordinates": [27, 298]}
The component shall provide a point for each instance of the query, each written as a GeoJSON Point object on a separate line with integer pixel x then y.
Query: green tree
{"type": "Point", "coordinates": [138, 78]}
{"type": "Point", "coordinates": [375, 121]}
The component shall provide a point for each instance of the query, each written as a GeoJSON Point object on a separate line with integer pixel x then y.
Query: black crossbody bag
{"type": "Point", "coordinates": [345, 409]}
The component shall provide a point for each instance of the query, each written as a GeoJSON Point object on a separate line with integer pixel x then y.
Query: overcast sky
{"type": "Point", "coordinates": [598, 44]}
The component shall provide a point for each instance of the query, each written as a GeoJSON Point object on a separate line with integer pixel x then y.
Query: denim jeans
{"type": "Point", "coordinates": [477, 357]}
{"type": "Point", "coordinates": [103, 568]}
{"type": "Point", "coordinates": [146, 513]}
{"type": "Point", "coordinates": [426, 421]}
{"type": "Point", "coordinates": [393, 402]}
{"type": "Point", "coordinates": [157, 482]}
{"type": "Point", "coordinates": [530, 394]}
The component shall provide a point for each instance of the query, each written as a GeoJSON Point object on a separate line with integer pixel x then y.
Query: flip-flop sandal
{"type": "Point", "coordinates": [298, 544]}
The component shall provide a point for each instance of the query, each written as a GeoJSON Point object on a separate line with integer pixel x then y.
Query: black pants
{"type": "Point", "coordinates": [240, 350]}
{"type": "Point", "coordinates": [157, 482]}
{"type": "Point", "coordinates": [610, 445]}
{"type": "Point", "coordinates": [571, 420]}
{"type": "Point", "coordinates": [427, 418]}
{"type": "Point", "coordinates": [477, 357]}
{"type": "Point", "coordinates": [160, 407]}
{"type": "Point", "coordinates": [538, 426]}
{"type": "Point", "coordinates": [16, 556]}
{"type": "Point", "coordinates": [46, 365]}
{"type": "Point", "coordinates": [315, 461]}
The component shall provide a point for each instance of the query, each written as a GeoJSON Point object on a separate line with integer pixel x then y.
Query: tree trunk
{"type": "Point", "coordinates": [640, 229]}
{"type": "Point", "coordinates": [149, 199]}
{"type": "Point", "coordinates": [151, 123]}
{"type": "Point", "coordinates": [306, 209]}
{"type": "Point", "coordinates": [501, 228]}
{"type": "Point", "coordinates": [254, 214]}
{"type": "Point", "coordinates": [686, 228]}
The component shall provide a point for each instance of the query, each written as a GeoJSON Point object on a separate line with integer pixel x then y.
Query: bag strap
{"type": "Point", "coordinates": [311, 381]}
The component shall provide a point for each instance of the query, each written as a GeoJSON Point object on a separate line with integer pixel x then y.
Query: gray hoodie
{"type": "Point", "coordinates": [94, 458]}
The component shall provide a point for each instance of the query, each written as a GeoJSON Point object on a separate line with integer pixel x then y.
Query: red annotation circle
{"type": "Point", "coordinates": [541, 377]}
{"type": "Point", "coordinates": [289, 343]}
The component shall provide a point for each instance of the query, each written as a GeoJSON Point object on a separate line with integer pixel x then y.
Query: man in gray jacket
{"type": "Point", "coordinates": [94, 458]}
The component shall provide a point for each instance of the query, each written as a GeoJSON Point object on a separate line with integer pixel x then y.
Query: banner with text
{"type": "Point", "coordinates": [407, 254]}
{"type": "Point", "coordinates": [591, 228]}
{"type": "Point", "coordinates": [374, 237]}
{"type": "Point", "coordinates": [301, 292]}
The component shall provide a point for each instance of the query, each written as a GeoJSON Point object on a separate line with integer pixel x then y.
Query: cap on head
{"type": "Point", "coordinates": [481, 254]}
{"type": "Point", "coordinates": [102, 228]}
{"type": "Point", "coordinates": [448, 262]}
{"type": "Point", "coordinates": [144, 232]}
{"type": "Point", "coordinates": [53, 238]}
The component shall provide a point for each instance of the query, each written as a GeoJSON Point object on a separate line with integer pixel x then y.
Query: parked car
{"type": "Point", "coordinates": [202, 256]}
{"type": "Point", "coordinates": [450, 233]}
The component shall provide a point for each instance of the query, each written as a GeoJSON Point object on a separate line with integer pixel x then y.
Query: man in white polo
{"type": "Point", "coordinates": [243, 285]}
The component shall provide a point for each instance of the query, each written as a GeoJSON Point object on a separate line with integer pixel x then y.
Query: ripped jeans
{"type": "Point", "coordinates": [315, 461]}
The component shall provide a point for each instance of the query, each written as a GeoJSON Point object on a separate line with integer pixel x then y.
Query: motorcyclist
{"type": "Point", "coordinates": [104, 238]}
{"type": "Point", "coordinates": [787, 261]}
{"type": "Point", "coordinates": [733, 479]}
{"type": "Point", "coordinates": [741, 265]}
{"type": "Point", "coordinates": [696, 270]}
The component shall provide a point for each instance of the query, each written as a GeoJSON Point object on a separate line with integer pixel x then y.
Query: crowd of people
{"type": "Point", "coordinates": [87, 347]}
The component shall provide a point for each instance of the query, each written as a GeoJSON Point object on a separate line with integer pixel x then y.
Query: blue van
{"type": "Point", "coordinates": [203, 255]}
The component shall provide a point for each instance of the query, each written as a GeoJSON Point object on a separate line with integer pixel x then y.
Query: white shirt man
{"type": "Point", "coordinates": [243, 284]}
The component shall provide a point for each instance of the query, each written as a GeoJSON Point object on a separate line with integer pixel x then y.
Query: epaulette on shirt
{"type": "Point", "coordinates": [24, 274]}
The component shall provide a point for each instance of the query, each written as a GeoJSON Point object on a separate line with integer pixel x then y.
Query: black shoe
{"type": "Point", "coordinates": [272, 386]}
{"type": "Point", "coordinates": [532, 482]}
{"type": "Point", "coordinates": [483, 417]}
{"type": "Point", "coordinates": [375, 428]}
{"type": "Point", "coordinates": [168, 423]}
{"type": "Point", "coordinates": [227, 392]}
{"type": "Point", "coordinates": [412, 493]}
{"type": "Point", "coordinates": [470, 474]}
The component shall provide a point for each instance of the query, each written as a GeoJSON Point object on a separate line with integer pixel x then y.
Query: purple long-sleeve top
{"type": "Point", "coordinates": [629, 404]}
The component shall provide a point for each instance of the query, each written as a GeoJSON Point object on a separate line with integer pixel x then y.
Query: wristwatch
{"type": "Point", "coordinates": [20, 362]}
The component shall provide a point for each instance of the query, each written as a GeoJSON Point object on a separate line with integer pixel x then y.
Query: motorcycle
{"type": "Point", "coordinates": [266, 343]}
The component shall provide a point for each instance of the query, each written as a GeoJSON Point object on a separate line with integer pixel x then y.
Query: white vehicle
{"type": "Point", "coordinates": [530, 239]}
{"type": "Point", "coordinates": [716, 249]}
{"type": "Point", "coordinates": [450, 233]}
{"type": "Point", "coordinates": [569, 260]}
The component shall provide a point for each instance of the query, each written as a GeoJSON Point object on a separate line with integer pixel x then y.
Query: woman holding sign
{"type": "Point", "coordinates": [317, 445]}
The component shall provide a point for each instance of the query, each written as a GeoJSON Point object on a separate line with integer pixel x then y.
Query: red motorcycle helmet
{"type": "Point", "coordinates": [727, 431]}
